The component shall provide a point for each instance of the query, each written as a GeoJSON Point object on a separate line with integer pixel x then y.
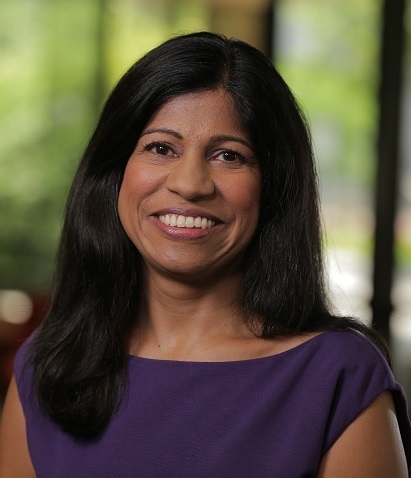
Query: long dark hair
{"type": "Point", "coordinates": [80, 350]}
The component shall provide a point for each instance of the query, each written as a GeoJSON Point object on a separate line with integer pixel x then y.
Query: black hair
{"type": "Point", "coordinates": [79, 352]}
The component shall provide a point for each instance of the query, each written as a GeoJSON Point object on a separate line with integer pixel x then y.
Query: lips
{"type": "Point", "coordinates": [183, 221]}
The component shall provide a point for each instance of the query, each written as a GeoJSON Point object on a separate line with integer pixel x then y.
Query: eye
{"type": "Point", "coordinates": [230, 156]}
{"type": "Point", "coordinates": [159, 149]}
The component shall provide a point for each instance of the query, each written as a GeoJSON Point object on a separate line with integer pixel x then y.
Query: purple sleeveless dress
{"type": "Point", "coordinates": [268, 417]}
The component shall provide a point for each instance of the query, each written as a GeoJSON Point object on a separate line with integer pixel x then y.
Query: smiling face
{"type": "Point", "coordinates": [190, 195]}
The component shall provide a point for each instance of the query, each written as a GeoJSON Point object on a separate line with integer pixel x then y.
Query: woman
{"type": "Point", "coordinates": [189, 333]}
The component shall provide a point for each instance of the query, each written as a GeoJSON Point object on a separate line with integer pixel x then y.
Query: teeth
{"type": "Point", "coordinates": [186, 221]}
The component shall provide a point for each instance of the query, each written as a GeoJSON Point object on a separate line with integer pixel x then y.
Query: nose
{"type": "Point", "coordinates": [191, 178]}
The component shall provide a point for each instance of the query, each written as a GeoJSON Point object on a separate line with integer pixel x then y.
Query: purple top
{"type": "Point", "coordinates": [268, 417]}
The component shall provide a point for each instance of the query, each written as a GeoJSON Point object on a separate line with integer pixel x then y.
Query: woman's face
{"type": "Point", "coordinates": [190, 196]}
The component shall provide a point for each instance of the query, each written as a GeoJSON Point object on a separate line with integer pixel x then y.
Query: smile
{"type": "Point", "coordinates": [175, 220]}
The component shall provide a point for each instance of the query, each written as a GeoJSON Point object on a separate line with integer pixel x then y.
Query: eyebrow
{"type": "Point", "coordinates": [162, 130]}
{"type": "Point", "coordinates": [214, 139]}
{"type": "Point", "coordinates": [224, 137]}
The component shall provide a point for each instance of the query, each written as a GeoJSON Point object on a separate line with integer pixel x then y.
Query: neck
{"type": "Point", "coordinates": [180, 316]}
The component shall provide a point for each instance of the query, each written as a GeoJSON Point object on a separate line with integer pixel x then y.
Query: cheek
{"type": "Point", "coordinates": [137, 182]}
{"type": "Point", "coordinates": [128, 198]}
{"type": "Point", "coordinates": [245, 195]}
{"type": "Point", "coordinates": [123, 198]}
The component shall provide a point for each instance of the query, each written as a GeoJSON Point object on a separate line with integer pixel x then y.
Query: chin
{"type": "Point", "coordinates": [184, 271]}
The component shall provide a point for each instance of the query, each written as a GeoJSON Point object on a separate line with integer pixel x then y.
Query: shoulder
{"type": "Point", "coordinates": [344, 368]}
{"type": "Point", "coordinates": [349, 341]}
{"type": "Point", "coordinates": [355, 365]}
{"type": "Point", "coordinates": [349, 353]}
{"type": "Point", "coordinates": [15, 457]}
{"type": "Point", "coordinates": [14, 453]}
{"type": "Point", "coordinates": [352, 363]}
{"type": "Point", "coordinates": [23, 357]}
{"type": "Point", "coordinates": [358, 450]}
{"type": "Point", "coordinates": [357, 374]}
{"type": "Point", "coordinates": [23, 372]}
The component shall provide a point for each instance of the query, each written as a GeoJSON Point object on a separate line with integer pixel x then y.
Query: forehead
{"type": "Point", "coordinates": [212, 111]}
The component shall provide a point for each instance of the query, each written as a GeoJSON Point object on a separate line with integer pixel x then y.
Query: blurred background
{"type": "Point", "coordinates": [349, 65]}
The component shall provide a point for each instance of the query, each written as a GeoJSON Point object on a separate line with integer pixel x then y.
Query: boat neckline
{"type": "Point", "coordinates": [306, 343]}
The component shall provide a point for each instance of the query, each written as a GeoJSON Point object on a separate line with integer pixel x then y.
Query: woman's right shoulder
{"type": "Point", "coordinates": [14, 454]}
{"type": "Point", "coordinates": [23, 368]}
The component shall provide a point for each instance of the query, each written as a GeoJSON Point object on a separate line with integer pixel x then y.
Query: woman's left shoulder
{"type": "Point", "coordinates": [362, 378]}
{"type": "Point", "coordinates": [360, 374]}
{"type": "Point", "coordinates": [349, 347]}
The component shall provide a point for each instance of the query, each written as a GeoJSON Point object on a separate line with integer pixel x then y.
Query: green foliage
{"type": "Point", "coordinates": [45, 116]}
{"type": "Point", "coordinates": [328, 53]}
{"type": "Point", "coordinates": [329, 57]}
{"type": "Point", "coordinates": [59, 59]}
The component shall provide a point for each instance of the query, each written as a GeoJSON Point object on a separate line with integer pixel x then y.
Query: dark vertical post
{"type": "Point", "coordinates": [391, 62]}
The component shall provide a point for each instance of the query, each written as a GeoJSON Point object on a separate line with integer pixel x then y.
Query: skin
{"type": "Point", "coordinates": [194, 159]}
{"type": "Point", "coordinates": [15, 460]}
{"type": "Point", "coordinates": [370, 447]}
{"type": "Point", "coordinates": [185, 163]}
